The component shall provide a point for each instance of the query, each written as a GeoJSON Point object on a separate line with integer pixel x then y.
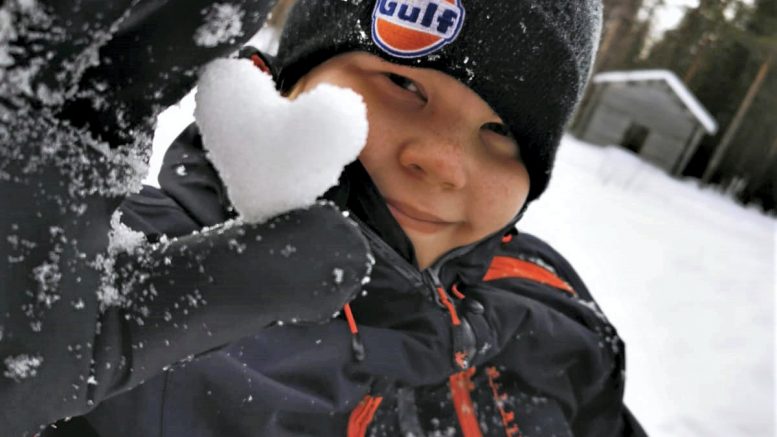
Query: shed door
{"type": "Point", "coordinates": [634, 137]}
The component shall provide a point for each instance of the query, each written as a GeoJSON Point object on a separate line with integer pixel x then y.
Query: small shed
{"type": "Point", "coordinates": [650, 112]}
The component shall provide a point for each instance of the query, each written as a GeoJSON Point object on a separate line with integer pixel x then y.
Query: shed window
{"type": "Point", "coordinates": [634, 137]}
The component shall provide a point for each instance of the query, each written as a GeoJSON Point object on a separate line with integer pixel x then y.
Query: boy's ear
{"type": "Point", "coordinates": [262, 61]}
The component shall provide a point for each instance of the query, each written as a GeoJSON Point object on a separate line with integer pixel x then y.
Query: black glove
{"type": "Point", "coordinates": [76, 94]}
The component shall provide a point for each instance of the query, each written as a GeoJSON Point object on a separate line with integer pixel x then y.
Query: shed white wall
{"type": "Point", "coordinates": [651, 104]}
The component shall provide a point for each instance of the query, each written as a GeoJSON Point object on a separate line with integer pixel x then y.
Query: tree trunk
{"type": "Point", "coordinates": [697, 62]}
{"type": "Point", "coordinates": [725, 142]}
{"type": "Point", "coordinates": [613, 31]}
{"type": "Point", "coordinates": [762, 174]}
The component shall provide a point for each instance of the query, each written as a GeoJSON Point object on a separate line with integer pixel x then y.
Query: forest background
{"type": "Point", "coordinates": [726, 53]}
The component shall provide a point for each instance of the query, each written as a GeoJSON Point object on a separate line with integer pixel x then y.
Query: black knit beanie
{"type": "Point", "coordinates": [529, 59]}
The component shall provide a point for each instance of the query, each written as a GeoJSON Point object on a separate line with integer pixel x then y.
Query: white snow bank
{"type": "Point", "coordinates": [685, 274]}
{"type": "Point", "coordinates": [274, 154]}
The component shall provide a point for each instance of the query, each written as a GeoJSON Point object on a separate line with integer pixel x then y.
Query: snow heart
{"type": "Point", "coordinates": [273, 154]}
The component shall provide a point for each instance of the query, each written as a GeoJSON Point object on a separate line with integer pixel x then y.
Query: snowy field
{"type": "Point", "coordinates": [688, 278]}
{"type": "Point", "coordinates": [686, 275]}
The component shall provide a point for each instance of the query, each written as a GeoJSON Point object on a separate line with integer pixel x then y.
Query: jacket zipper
{"type": "Point", "coordinates": [464, 342]}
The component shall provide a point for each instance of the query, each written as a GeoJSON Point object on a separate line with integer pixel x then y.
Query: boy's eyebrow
{"type": "Point", "coordinates": [386, 62]}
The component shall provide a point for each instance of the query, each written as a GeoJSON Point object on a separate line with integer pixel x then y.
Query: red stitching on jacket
{"type": "Point", "coordinates": [460, 385]}
{"type": "Point", "coordinates": [362, 416]}
{"type": "Point", "coordinates": [511, 429]}
{"type": "Point", "coordinates": [506, 267]}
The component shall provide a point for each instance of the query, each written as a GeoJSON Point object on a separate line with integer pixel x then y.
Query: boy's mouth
{"type": "Point", "coordinates": [415, 219]}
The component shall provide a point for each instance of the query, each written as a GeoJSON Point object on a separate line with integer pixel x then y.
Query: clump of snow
{"type": "Point", "coordinates": [22, 367]}
{"type": "Point", "coordinates": [47, 275]}
{"type": "Point", "coordinates": [18, 20]}
{"type": "Point", "coordinates": [288, 250]}
{"type": "Point", "coordinates": [20, 248]}
{"type": "Point", "coordinates": [109, 296]}
{"type": "Point", "coordinates": [273, 154]}
{"type": "Point", "coordinates": [223, 22]}
{"type": "Point", "coordinates": [338, 274]}
{"type": "Point", "coordinates": [7, 33]}
{"type": "Point", "coordinates": [121, 240]}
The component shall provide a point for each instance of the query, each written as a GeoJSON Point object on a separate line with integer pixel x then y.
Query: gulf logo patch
{"type": "Point", "coordinates": [415, 28]}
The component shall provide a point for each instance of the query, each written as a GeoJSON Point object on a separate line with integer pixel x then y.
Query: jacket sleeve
{"type": "Point", "coordinates": [582, 356]}
{"type": "Point", "coordinates": [83, 316]}
{"type": "Point", "coordinates": [81, 323]}
{"type": "Point", "coordinates": [187, 296]}
{"type": "Point", "coordinates": [112, 66]}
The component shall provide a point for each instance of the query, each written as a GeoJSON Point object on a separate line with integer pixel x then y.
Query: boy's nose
{"type": "Point", "coordinates": [435, 161]}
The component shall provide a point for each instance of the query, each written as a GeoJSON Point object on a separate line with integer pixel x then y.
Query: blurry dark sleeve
{"type": "Point", "coordinates": [111, 66]}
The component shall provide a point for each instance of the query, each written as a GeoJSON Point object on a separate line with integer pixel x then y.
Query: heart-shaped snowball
{"type": "Point", "coordinates": [274, 154]}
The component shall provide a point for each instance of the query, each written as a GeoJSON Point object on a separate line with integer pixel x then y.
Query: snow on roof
{"type": "Point", "coordinates": [685, 95]}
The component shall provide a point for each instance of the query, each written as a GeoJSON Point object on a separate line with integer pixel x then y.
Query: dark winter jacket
{"type": "Point", "coordinates": [497, 338]}
{"type": "Point", "coordinates": [87, 80]}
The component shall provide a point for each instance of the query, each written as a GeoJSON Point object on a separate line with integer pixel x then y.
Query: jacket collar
{"type": "Point", "coordinates": [357, 193]}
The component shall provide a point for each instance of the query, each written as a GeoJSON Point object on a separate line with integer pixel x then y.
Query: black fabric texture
{"type": "Point", "coordinates": [153, 42]}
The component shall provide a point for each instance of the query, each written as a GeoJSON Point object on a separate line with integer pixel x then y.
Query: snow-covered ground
{"type": "Point", "coordinates": [686, 275]}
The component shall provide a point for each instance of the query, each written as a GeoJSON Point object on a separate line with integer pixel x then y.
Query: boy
{"type": "Point", "coordinates": [467, 328]}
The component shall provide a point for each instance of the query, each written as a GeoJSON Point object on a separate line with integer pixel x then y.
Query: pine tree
{"type": "Point", "coordinates": [726, 52]}
{"type": "Point", "coordinates": [623, 35]}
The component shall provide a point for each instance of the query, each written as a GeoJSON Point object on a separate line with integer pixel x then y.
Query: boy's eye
{"type": "Point", "coordinates": [406, 84]}
{"type": "Point", "coordinates": [499, 128]}
{"type": "Point", "coordinates": [503, 141]}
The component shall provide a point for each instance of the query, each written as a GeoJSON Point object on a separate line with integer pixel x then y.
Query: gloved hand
{"type": "Point", "coordinates": [79, 94]}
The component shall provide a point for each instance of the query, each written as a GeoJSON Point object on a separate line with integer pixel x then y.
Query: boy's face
{"type": "Point", "coordinates": [436, 151]}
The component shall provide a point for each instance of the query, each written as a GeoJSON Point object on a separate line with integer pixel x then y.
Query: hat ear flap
{"type": "Point", "coordinates": [262, 61]}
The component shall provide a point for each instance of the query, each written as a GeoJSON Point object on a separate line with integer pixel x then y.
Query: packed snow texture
{"type": "Point", "coordinates": [121, 240]}
{"type": "Point", "coordinates": [21, 367]}
{"type": "Point", "coordinates": [686, 276]}
{"type": "Point", "coordinates": [275, 154]}
{"type": "Point", "coordinates": [223, 23]}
